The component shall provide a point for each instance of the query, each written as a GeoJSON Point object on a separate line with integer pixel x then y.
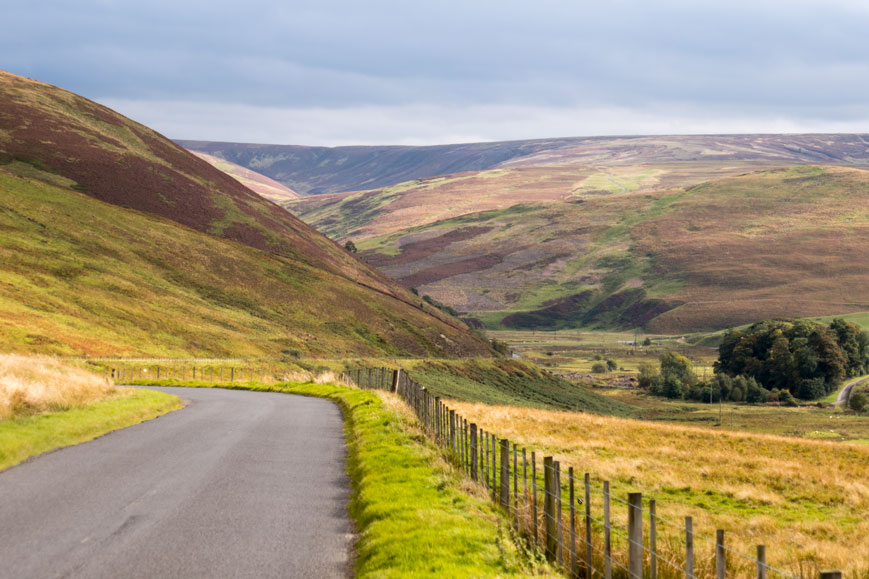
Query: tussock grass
{"type": "Point", "coordinates": [806, 500]}
{"type": "Point", "coordinates": [33, 384]}
{"type": "Point", "coordinates": [47, 403]}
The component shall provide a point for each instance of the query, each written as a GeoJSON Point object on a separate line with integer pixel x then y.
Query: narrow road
{"type": "Point", "coordinates": [845, 393]}
{"type": "Point", "coordinates": [238, 484]}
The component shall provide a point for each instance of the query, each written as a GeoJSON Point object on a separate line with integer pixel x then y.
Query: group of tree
{"type": "Point", "coordinates": [778, 360]}
{"type": "Point", "coordinates": [807, 359]}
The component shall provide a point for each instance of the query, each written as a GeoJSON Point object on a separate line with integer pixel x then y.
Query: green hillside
{"type": "Point", "coordinates": [97, 258]}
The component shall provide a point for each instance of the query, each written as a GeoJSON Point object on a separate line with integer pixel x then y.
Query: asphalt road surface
{"type": "Point", "coordinates": [845, 393]}
{"type": "Point", "coordinates": [238, 484]}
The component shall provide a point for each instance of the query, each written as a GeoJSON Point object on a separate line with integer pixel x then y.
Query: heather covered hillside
{"type": "Point", "coordinates": [673, 248]}
{"type": "Point", "coordinates": [114, 241]}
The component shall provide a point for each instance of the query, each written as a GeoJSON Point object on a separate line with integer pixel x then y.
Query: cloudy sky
{"type": "Point", "coordinates": [337, 72]}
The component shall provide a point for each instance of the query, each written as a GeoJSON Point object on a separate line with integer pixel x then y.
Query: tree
{"type": "Point", "coordinates": [611, 365]}
{"type": "Point", "coordinates": [647, 376]}
{"type": "Point", "coordinates": [599, 368]}
{"type": "Point", "coordinates": [755, 393]}
{"type": "Point", "coordinates": [854, 345]}
{"type": "Point", "coordinates": [647, 341]}
{"type": "Point", "coordinates": [677, 366]}
{"type": "Point", "coordinates": [671, 386]}
{"type": "Point", "coordinates": [794, 355]}
{"type": "Point", "coordinates": [350, 246]}
{"type": "Point", "coordinates": [859, 402]}
{"type": "Point", "coordinates": [812, 389]}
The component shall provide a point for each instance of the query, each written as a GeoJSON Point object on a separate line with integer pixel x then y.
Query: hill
{"type": "Point", "coordinates": [567, 246]}
{"type": "Point", "coordinates": [116, 241]}
{"type": "Point", "coordinates": [256, 182]}
{"type": "Point", "coordinates": [319, 170]}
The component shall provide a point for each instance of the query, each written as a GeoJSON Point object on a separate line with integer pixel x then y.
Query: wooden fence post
{"type": "Point", "coordinates": [466, 438]}
{"type": "Point", "coordinates": [607, 535]}
{"type": "Point", "coordinates": [635, 535]}
{"type": "Point", "coordinates": [720, 563]}
{"type": "Point", "coordinates": [484, 458]}
{"type": "Point", "coordinates": [534, 496]}
{"type": "Point", "coordinates": [549, 508]}
{"type": "Point", "coordinates": [505, 474]}
{"type": "Point", "coordinates": [438, 420]}
{"type": "Point", "coordinates": [588, 550]}
{"type": "Point", "coordinates": [395, 377]}
{"type": "Point", "coordinates": [515, 490]}
{"type": "Point", "coordinates": [453, 429]}
{"type": "Point", "coordinates": [524, 488]}
{"type": "Point", "coordinates": [572, 498]}
{"type": "Point", "coordinates": [653, 541]}
{"type": "Point", "coordinates": [473, 451]}
{"type": "Point", "coordinates": [494, 467]}
{"type": "Point", "coordinates": [689, 547]}
{"type": "Point", "coordinates": [558, 518]}
{"type": "Point", "coordinates": [761, 562]}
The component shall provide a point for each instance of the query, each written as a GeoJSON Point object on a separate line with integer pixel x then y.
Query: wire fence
{"type": "Point", "coordinates": [578, 523]}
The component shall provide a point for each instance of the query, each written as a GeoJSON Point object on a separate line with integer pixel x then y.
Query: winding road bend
{"type": "Point", "coordinates": [237, 484]}
{"type": "Point", "coordinates": [845, 393]}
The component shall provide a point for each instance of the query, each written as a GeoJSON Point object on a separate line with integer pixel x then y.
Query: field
{"type": "Point", "coordinates": [510, 382]}
{"type": "Point", "coordinates": [804, 499]}
{"type": "Point", "coordinates": [574, 352]}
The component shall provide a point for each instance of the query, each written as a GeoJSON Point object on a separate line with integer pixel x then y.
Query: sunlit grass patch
{"type": "Point", "coordinates": [805, 499]}
{"type": "Point", "coordinates": [33, 384]}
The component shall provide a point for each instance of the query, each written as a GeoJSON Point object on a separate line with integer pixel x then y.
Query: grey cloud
{"type": "Point", "coordinates": [748, 59]}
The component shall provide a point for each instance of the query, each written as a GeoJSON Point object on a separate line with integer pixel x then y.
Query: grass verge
{"type": "Point", "coordinates": [414, 512]}
{"type": "Point", "coordinates": [22, 438]}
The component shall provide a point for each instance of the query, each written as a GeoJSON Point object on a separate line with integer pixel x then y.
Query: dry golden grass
{"type": "Point", "coordinates": [806, 500]}
{"type": "Point", "coordinates": [34, 384]}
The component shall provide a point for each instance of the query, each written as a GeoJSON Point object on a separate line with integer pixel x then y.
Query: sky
{"type": "Point", "coordinates": [350, 72]}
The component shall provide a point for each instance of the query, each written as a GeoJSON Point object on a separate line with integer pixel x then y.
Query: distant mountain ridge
{"type": "Point", "coordinates": [319, 170]}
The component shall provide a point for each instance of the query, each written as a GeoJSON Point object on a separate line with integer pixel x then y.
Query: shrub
{"type": "Point", "coordinates": [755, 393]}
{"type": "Point", "coordinates": [599, 368]}
{"type": "Point", "coordinates": [672, 387]}
{"type": "Point", "coordinates": [784, 396]}
{"type": "Point", "coordinates": [648, 373]}
{"type": "Point", "coordinates": [501, 347]}
{"type": "Point", "coordinates": [812, 389]}
{"type": "Point", "coordinates": [611, 365]}
{"type": "Point", "coordinates": [859, 402]}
